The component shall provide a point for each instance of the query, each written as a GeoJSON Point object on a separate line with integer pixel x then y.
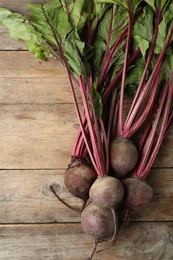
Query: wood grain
{"type": "Point", "coordinates": [151, 241]}
{"type": "Point", "coordinates": [19, 5]}
{"type": "Point", "coordinates": [7, 43]}
{"type": "Point", "coordinates": [25, 79]}
{"type": "Point", "coordinates": [25, 197]}
{"type": "Point", "coordinates": [36, 136]}
{"type": "Point", "coordinates": [23, 64]}
{"type": "Point", "coordinates": [35, 90]}
{"type": "Point", "coordinates": [41, 136]}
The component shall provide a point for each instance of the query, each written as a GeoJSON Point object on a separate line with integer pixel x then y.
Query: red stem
{"type": "Point", "coordinates": [78, 138]}
{"type": "Point", "coordinates": [161, 133]}
{"type": "Point", "coordinates": [106, 148]}
{"type": "Point", "coordinates": [110, 53]}
{"type": "Point", "coordinates": [98, 166]}
{"type": "Point", "coordinates": [98, 135]}
{"type": "Point", "coordinates": [108, 59]}
{"type": "Point", "coordinates": [146, 130]}
{"type": "Point", "coordinates": [150, 55]}
{"type": "Point", "coordinates": [78, 112]}
{"type": "Point", "coordinates": [170, 122]}
{"type": "Point", "coordinates": [147, 109]}
{"type": "Point", "coordinates": [120, 116]}
{"type": "Point", "coordinates": [148, 145]}
{"type": "Point", "coordinates": [114, 125]}
{"type": "Point", "coordinates": [111, 116]}
{"type": "Point", "coordinates": [114, 82]}
{"type": "Point", "coordinates": [139, 96]}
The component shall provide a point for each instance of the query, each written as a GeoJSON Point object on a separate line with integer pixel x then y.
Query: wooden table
{"type": "Point", "coordinates": [37, 128]}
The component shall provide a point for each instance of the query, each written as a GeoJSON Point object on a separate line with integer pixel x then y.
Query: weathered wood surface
{"type": "Point", "coordinates": [19, 5]}
{"type": "Point", "coordinates": [27, 90]}
{"type": "Point", "coordinates": [36, 136]}
{"type": "Point", "coordinates": [25, 197]}
{"type": "Point", "coordinates": [27, 80]}
{"type": "Point", "coordinates": [37, 128]}
{"type": "Point", "coordinates": [22, 64]}
{"type": "Point", "coordinates": [10, 44]}
{"type": "Point", "coordinates": [151, 241]}
{"type": "Point", "coordinates": [41, 136]}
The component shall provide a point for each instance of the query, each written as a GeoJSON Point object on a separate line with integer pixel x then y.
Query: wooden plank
{"type": "Point", "coordinates": [25, 197]}
{"type": "Point", "coordinates": [68, 242]}
{"type": "Point", "coordinates": [25, 79]}
{"type": "Point", "coordinates": [165, 155]}
{"type": "Point", "coordinates": [41, 136]}
{"type": "Point", "coordinates": [36, 136]}
{"type": "Point", "coordinates": [24, 64]}
{"type": "Point", "coordinates": [7, 43]}
{"type": "Point", "coordinates": [19, 5]}
{"type": "Point", "coordinates": [35, 90]}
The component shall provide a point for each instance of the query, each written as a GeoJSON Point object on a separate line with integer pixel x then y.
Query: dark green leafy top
{"type": "Point", "coordinates": [83, 34]}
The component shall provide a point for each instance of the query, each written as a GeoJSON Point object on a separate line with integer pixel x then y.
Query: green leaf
{"type": "Point", "coordinates": [99, 50]}
{"type": "Point", "coordinates": [143, 44]}
{"type": "Point", "coordinates": [102, 36]}
{"type": "Point", "coordinates": [120, 21]}
{"type": "Point", "coordinates": [97, 101]}
{"type": "Point", "coordinates": [143, 30]}
{"type": "Point", "coordinates": [168, 63]}
{"type": "Point", "coordinates": [151, 3]}
{"type": "Point", "coordinates": [161, 37]}
{"type": "Point", "coordinates": [119, 2]}
{"type": "Point", "coordinates": [20, 28]}
{"type": "Point", "coordinates": [59, 24]}
{"type": "Point", "coordinates": [117, 63]}
{"type": "Point", "coordinates": [77, 12]}
{"type": "Point", "coordinates": [155, 3]}
{"type": "Point", "coordinates": [133, 4]}
{"type": "Point", "coordinates": [134, 75]}
{"type": "Point", "coordinates": [164, 28]}
{"type": "Point", "coordinates": [77, 53]}
{"type": "Point", "coordinates": [50, 20]}
{"type": "Point", "coordinates": [40, 52]}
{"type": "Point", "coordinates": [99, 11]}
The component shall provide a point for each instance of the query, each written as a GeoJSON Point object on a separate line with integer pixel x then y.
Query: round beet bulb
{"type": "Point", "coordinates": [138, 193]}
{"type": "Point", "coordinates": [106, 192]}
{"type": "Point", "coordinates": [78, 179]}
{"type": "Point", "coordinates": [98, 223]}
{"type": "Point", "coordinates": [123, 156]}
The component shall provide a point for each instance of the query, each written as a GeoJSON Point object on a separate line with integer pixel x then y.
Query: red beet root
{"type": "Point", "coordinates": [78, 179]}
{"type": "Point", "coordinates": [106, 192]}
{"type": "Point", "coordinates": [98, 223]}
{"type": "Point", "coordinates": [138, 193]}
{"type": "Point", "coordinates": [124, 155]}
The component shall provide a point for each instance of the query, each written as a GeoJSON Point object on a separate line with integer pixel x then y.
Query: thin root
{"type": "Point", "coordinates": [94, 251]}
{"type": "Point", "coordinates": [67, 205]}
{"type": "Point", "coordinates": [115, 238]}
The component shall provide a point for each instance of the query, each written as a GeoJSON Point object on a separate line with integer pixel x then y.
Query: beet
{"type": "Point", "coordinates": [138, 193]}
{"type": "Point", "coordinates": [106, 192]}
{"type": "Point", "coordinates": [98, 223]}
{"type": "Point", "coordinates": [78, 179]}
{"type": "Point", "coordinates": [123, 155]}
